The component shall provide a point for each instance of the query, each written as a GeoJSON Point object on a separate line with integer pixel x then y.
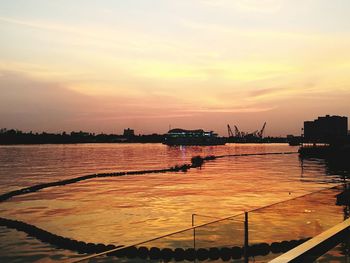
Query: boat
{"type": "Point", "coordinates": [326, 151]}
{"type": "Point", "coordinates": [294, 143]}
{"type": "Point", "coordinates": [192, 137]}
{"type": "Point", "coordinates": [294, 140]}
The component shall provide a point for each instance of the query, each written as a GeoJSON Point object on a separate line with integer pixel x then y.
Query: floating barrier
{"type": "Point", "coordinates": [214, 253]}
{"type": "Point", "coordinates": [56, 240]}
{"type": "Point", "coordinates": [196, 162]}
{"type": "Point", "coordinates": [153, 253]}
{"type": "Point", "coordinates": [202, 254]}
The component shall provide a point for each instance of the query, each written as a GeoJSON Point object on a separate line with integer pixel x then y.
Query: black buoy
{"type": "Point", "coordinates": [285, 246]}
{"type": "Point", "coordinates": [167, 254]}
{"type": "Point", "coordinates": [81, 246]}
{"type": "Point", "coordinates": [118, 253]}
{"type": "Point", "coordinates": [190, 254]}
{"type": "Point", "coordinates": [154, 253]}
{"type": "Point", "coordinates": [293, 243]}
{"type": "Point", "coordinates": [264, 249]}
{"type": "Point", "coordinates": [131, 252]}
{"type": "Point", "coordinates": [202, 254]}
{"type": "Point", "coordinates": [110, 247]}
{"type": "Point", "coordinates": [225, 253]}
{"type": "Point", "coordinates": [197, 161]}
{"type": "Point", "coordinates": [237, 252]}
{"type": "Point", "coordinates": [179, 254]}
{"type": "Point", "coordinates": [143, 252]}
{"type": "Point", "coordinates": [214, 253]}
{"type": "Point", "coordinates": [276, 247]}
{"type": "Point", "coordinates": [90, 247]}
{"type": "Point", "coordinates": [100, 248]}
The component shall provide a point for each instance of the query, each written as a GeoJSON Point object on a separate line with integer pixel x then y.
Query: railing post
{"type": "Point", "coordinates": [194, 238]}
{"type": "Point", "coordinates": [246, 240]}
{"type": "Point", "coordinates": [194, 232]}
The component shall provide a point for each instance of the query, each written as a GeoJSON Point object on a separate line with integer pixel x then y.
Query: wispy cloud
{"type": "Point", "coordinates": [232, 110]}
{"type": "Point", "coordinates": [265, 91]}
{"type": "Point", "coordinates": [199, 58]}
{"type": "Point", "coordinates": [46, 25]}
{"type": "Point", "coordinates": [256, 6]}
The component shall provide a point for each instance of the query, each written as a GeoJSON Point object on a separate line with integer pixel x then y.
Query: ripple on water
{"type": "Point", "coordinates": [115, 209]}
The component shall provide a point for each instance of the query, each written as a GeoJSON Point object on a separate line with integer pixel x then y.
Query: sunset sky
{"type": "Point", "coordinates": [104, 65]}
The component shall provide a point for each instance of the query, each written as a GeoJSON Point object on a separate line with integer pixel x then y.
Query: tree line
{"type": "Point", "coordinates": [13, 136]}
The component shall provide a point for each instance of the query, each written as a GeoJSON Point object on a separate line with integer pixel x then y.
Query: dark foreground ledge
{"type": "Point", "coordinates": [317, 246]}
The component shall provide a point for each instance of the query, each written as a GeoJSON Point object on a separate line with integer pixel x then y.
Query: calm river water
{"type": "Point", "coordinates": [132, 208]}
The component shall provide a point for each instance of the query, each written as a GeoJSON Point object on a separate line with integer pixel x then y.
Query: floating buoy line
{"type": "Point", "coordinates": [196, 162]}
{"type": "Point", "coordinates": [153, 253]}
{"type": "Point", "coordinates": [225, 253]}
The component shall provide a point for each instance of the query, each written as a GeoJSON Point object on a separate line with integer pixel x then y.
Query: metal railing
{"type": "Point", "coordinates": [270, 231]}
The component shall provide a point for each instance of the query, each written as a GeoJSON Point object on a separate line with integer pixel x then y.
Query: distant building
{"type": "Point", "coordinates": [326, 128]}
{"type": "Point", "coordinates": [80, 133]}
{"type": "Point", "coordinates": [190, 133]}
{"type": "Point", "coordinates": [192, 137]}
{"type": "Point", "coordinates": [129, 132]}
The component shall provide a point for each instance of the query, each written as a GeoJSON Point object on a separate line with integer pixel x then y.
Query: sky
{"type": "Point", "coordinates": [105, 65]}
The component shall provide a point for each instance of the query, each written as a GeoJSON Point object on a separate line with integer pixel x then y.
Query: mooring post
{"type": "Point", "coordinates": [246, 256]}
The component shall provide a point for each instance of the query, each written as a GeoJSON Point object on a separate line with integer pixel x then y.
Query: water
{"type": "Point", "coordinates": [128, 209]}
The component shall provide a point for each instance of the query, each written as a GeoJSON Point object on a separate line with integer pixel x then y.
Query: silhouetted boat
{"type": "Point", "coordinates": [294, 143]}
{"type": "Point", "coordinates": [294, 140]}
{"type": "Point", "coordinates": [192, 137]}
{"type": "Point", "coordinates": [327, 151]}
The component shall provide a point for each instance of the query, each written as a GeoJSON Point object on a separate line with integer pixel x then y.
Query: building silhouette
{"type": "Point", "coordinates": [326, 129]}
{"type": "Point", "coordinates": [129, 133]}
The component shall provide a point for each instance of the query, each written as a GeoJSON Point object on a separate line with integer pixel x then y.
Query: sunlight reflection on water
{"type": "Point", "coordinates": [138, 207]}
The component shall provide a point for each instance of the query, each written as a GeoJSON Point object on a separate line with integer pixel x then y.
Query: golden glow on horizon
{"type": "Point", "coordinates": [211, 56]}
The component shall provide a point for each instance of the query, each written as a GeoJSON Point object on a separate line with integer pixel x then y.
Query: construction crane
{"type": "Point", "coordinates": [238, 133]}
{"type": "Point", "coordinates": [230, 133]}
{"type": "Point", "coordinates": [261, 132]}
{"type": "Point", "coordinates": [241, 134]}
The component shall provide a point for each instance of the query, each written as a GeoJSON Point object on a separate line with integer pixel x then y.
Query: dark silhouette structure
{"type": "Point", "coordinates": [326, 129]}
{"type": "Point", "coordinates": [18, 137]}
{"type": "Point", "coordinates": [326, 137]}
{"type": "Point", "coordinates": [152, 253]}
{"type": "Point", "coordinates": [129, 133]}
{"type": "Point", "coordinates": [245, 137]}
{"type": "Point", "coordinates": [192, 137]}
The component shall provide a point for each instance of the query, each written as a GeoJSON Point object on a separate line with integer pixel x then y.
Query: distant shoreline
{"type": "Point", "coordinates": [16, 137]}
{"type": "Point", "coordinates": [73, 143]}
{"type": "Point", "coordinates": [13, 137]}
